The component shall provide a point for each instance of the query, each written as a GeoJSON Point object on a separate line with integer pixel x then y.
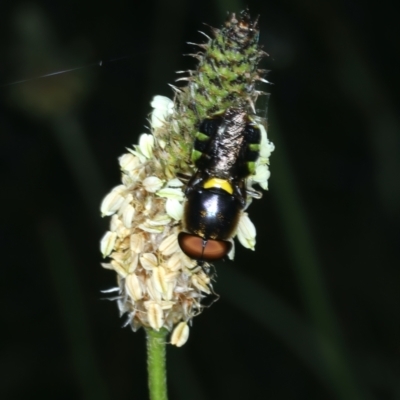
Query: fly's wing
{"type": "Point", "coordinates": [262, 106]}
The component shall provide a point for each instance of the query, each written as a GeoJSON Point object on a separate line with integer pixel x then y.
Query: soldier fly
{"type": "Point", "coordinates": [225, 151]}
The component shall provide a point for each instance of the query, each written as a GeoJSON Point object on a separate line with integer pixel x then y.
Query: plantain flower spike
{"type": "Point", "coordinates": [159, 286]}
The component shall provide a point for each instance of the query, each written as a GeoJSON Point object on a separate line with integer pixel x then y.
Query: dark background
{"type": "Point", "coordinates": [313, 313]}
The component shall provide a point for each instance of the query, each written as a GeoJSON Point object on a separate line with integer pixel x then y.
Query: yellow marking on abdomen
{"type": "Point", "coordinates": [218, 183]}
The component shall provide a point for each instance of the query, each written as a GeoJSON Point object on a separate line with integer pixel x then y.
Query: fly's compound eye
{"type": "Point", "coordinates": [206, 250]}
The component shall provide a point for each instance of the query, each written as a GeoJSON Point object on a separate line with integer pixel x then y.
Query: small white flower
{"type": "Point", "coordinates": [262, 173]}
{"type": "Point", "coordinates": [138, 153]}
{"type": "Point", "coordinates": [163, 107]}
{"type": "Point", "coordinates": [115, 223]}
{"type": "Point", "coordinates": [201, 283]}
{"type": "Point", "coordinates": [118, 256]}
{"type": "Point", "coordinates": [174, 209]}
{"type": "Point", "coordinates": [151, 229]}
{"type": "Point", "coordinates": [154, 293]}
{"type": "Point", "coordinates": [134, 263]}
{"type": "Point", "coordinates": [171, 193]}
{"type": "Point", "coordinates": [127, 201]}
{"type": "Point", "coordinates": [133, 287]}
{"type": "Point", "coordinates": [180, 334]}
{"type": "Point", "coordinates": [137, 243]}
{"type": "Point", "coordinates": [162, 143]}
{"type": "Point", "coordinates": [122, 231]}
{"type": "Point", "coordinates": [148, 261]}
{"type": "Point", "coordinates": [246, 232]}
{"type": "Point", "coordinates": [170, 291]}
{"type": "Point", "coordinates": [107, 265]}
{"type": "Point", "coordinates": [175, 262]}
{"type": "Point", "coordinates": [127, 216]}
{"type": "Point", "coordinates": [107, 243]}
{"type": "Point", "coordinates": [264, 184]}
{"type": "Point", "coordinates": [146, 144]}
{"type": "Point", "coordinates": [169, 245]}
{"type": "Point", "coordinates": [187, 262]}
{"type": "Point", "coordinates": [119, 269]}
{"type": "Point", "coordinates": [155, 315]}
{"type": "Point", "coordinates": [148, 204]}
{"type": "Point", "coordinates": [159, 280]}
{"type": "Point", "coordinates": [128, 162]}
{"type": "Point", "coordinates": [231, 254]}
{"type": "Point", "coordinates": [166, 305]}
{"type": "Point", "coordinates": [266, 147]}
{"type": "Point", "coordinates": [159, 220]}
{"type": "Point", "coordinates": [152, 184]}
{"type": "Point", "coordinates": [111, 203]}
{"type": "Point", "coordinates": [174, 183]}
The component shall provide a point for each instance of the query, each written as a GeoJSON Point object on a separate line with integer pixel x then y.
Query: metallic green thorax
{"type": "Point", "coordinates": [225, 77]}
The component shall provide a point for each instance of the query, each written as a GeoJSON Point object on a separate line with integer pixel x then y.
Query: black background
{"type": "Point", "coordinates": [313, 313]}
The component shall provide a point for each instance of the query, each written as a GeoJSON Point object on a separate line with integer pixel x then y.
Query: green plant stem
{"type": "Point", "coordinates": [156, 363]}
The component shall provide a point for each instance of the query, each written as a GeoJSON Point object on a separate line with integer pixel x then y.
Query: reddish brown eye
{"type": "Point", "coordinates": [193, 247]}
